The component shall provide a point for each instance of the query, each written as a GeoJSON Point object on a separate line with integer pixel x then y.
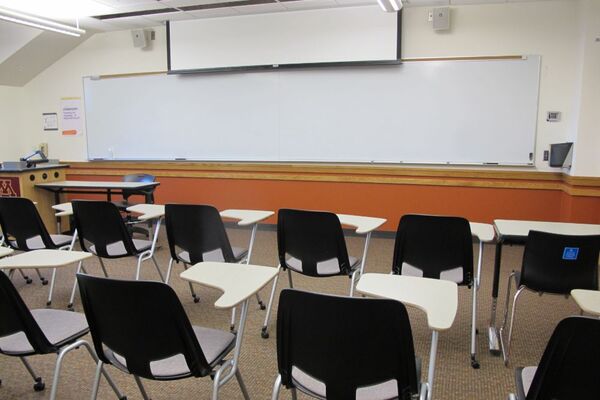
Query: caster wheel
{"type": "Point", "coordinates": [44, 282]}
{"type": "Point", "coordinates": [196, 299]}
{"type": "Point", "coordinates": [477, 331]}
{"type": "Point", "coordinates": [39, 385]}
{"type": "Point", "coordinates": [123, 398]}
{"type": "Point", "coordinates": [70, 306]}
{"type": "Point", "coordinates": [475, 364]}
{"type": "Point", "coordinates": [264, 334]}
{"type": "Point", "coordinates": [262, 306]}
{"type": "Point", "coordinates": [28, 281]}
{"type": "Point", "coordinates": [48, 303]}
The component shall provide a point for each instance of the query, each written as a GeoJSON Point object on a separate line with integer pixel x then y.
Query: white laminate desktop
{"type": "Point", "coordinates": [587, 300]}
{"type": "Point", "coordinates": [44, 258]}
{"type": "Point", "coordinates": [5, 251]}
{"type": "Point", "coordinates": [237, 281]}
{"type": "Point", "coordinates": [518, 228]}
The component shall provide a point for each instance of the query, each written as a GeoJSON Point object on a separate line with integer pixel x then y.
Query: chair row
{"type": "Point", "coordinates": [312, 243]}
{"type": "Point", "coordinates": [155, 340]}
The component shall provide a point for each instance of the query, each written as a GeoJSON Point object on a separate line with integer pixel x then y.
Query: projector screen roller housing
{"type": "Point", "coordinates": [339, 35]}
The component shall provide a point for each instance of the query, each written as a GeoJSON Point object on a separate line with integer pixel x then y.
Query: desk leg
{"type": "Point", "coordinates": [57, 201]}
{"type": "Point", "coordinates": [476, 280]}
{"type": "Point", "coordinates": [494, 344]}
{"type": "Point", "coordinates": [108, 195]}
{"type": "Point", "coordinates": [258, 299]}
{"type": "Point", "coordinates": [364, 256]}
{"type": "Point", "coordinates": [432, 356]}
{"type": "Point", "coordinates": [234, 362]}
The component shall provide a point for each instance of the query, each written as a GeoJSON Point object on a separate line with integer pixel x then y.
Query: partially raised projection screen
{"type": "Point", "coordinates": [439, 112]}
{"type": "Point", "coordinates": [335, 35]}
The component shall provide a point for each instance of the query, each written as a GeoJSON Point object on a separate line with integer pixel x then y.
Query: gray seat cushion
{"type": "Point", "coordinates": [216, 255]}
{"type": "Point", "coordinates": [452, 275]}
{"type": "Point", "coordinates": [381, 391]}
{"type": "Point", "coordinates": [57, 325]}
{"type": "Point", "coordinates": [118, 248]}
{"type": "Point", "coordinates": [327, 267]}
{"type": "Point", "coordinates": [35, 243]}
{"type": "Point", "coordinates": [524, 379]}
{"type": "Point", "coordinates": [214, 343]}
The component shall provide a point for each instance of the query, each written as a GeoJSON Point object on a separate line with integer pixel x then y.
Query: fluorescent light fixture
{"type": "Point", "coordinates": [40, 23]}
{"type": "Point", "coordinates": [390, 5]}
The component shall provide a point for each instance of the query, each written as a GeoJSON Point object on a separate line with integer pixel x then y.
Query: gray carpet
{"type": "Point", "coordinates": [455, 379]}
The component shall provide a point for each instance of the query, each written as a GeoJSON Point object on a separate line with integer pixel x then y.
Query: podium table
{"type": "Point", "coordinates": [17, 180]}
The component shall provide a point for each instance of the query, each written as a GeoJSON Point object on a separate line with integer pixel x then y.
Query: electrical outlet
{"type": "Point", "coordinates": [430, 18]}
{"type": "Point", "coordinates": [546, 155]}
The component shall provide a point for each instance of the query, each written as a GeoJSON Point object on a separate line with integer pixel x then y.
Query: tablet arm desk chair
{"type": "Point", "coordinates": [343, 348]}
{"type": "Point", "coordinates": [141, 328]}
{"type": "Point", "coordinates": [311, 243]}
{"type": "Point", "coordinates": [25, 333]}
{"type": "Point", "coordinates": [127, 193]}
{"type": "Point", "coordinates": [569, 366]}
{"type": "Point", "coordinates": [24, 230]}
{"type": "Point", "coordinates": [438, 247]}
{"type": "Point", "coordinates": [552, 263]}
{"type": "Point", "coordinates": [102, 232]}
{"type": "Point", "coordinates": [196, 233]}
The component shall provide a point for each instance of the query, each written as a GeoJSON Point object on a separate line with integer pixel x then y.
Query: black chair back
{"type": "Point", "coordinates": [20, 221]}
{"type": "Point", "coordinates": [16, 317]}
{"type": "Point", "coordinates": [311, 237]}
{"type": "Point", "coordinates": [434, 244]}
{"type": "Point", "coordinates": [141, 321]}
{"type": "Point", "coordinates": [147, 193]}
{"type": "Point", "coordinates": [99, 224]}
{"type": "Point", "coordinates": [560, 263]}
{"type": "Point", "coordinates": [344, 342]}
{"type": "Point", "coordinates": [197, 229]}
{"type": "Point", "coordinates": [570, 364]}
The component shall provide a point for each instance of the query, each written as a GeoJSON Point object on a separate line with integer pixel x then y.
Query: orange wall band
{"type": "Point", "coordinates": [391, 201]}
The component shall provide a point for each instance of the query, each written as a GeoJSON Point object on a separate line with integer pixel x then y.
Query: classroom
{"type": "Point", "coordinates": [273, 199]}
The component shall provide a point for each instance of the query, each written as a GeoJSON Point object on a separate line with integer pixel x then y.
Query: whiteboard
{"type": "Point", "coordinates": [438, 112]}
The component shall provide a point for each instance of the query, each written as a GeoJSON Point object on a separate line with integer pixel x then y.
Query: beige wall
{"type": "Point", "coordinates": [587, 142]}
{"type": "Point", "coordinates": [12, 135]}
{"type": "Point", "coordinates": [551, 29]}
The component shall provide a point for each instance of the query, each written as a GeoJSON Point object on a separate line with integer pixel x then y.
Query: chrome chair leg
{"type": "Point", "coordinates": [194, 295]}
{"type": "Point", "coordinates": [72, 298]}
{"type": "Point", "coordinates": [39, 384]}
{"type": "Point", "coordinates": [290, 278]}
{"type": "Point", "coordinates": [265, 332]}
{"type": "Point", "coordinates": [103, 267]}
{"type": "Point", "coordinates": [238, 376]}
{"type": "Point", "coordinates": [158, 268]}
{"type": "Point", "coordinates": [51, 287]}
{"type": "Point", "coordinates": [276, 388]}
{"type": "Point", "coordinates": [169, 268]}
{"type": "Point", "coordinates": [506, 347]}
{"type": "Point", "coordinates": [42, 279]}
{"type": "Point", "coordinates": [140, 386]}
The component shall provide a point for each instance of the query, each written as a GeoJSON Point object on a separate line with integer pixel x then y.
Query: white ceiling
{"type": "Point", "coordinates": [13, 37]}
{"type": "Point", "coordinates": [66, 10]}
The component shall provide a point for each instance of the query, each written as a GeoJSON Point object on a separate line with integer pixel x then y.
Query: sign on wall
{"type": "Point", "coordinates": [70, 115]}
{"type": "Point", "coordinates": [9, 187]}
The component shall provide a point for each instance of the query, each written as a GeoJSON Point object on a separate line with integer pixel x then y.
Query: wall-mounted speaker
{"type": "Point", "coordinates": [441, 18]}
{"type": "Point", "coordinates": [140, 37]}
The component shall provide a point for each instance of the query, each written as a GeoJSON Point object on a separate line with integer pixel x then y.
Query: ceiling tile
{"type": "Point", "coordinates": [173, 16]}
{"type": "Point", "coordinates": [469, 2]}
{"type": "Point", "coordinates": [215, 12]}
{"type": "Point", "coordinates": [428, 3]}
{"type": "Point", "coordinates": [260, 8]}
{"type": "Point", "coordinates": [309, 4]}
